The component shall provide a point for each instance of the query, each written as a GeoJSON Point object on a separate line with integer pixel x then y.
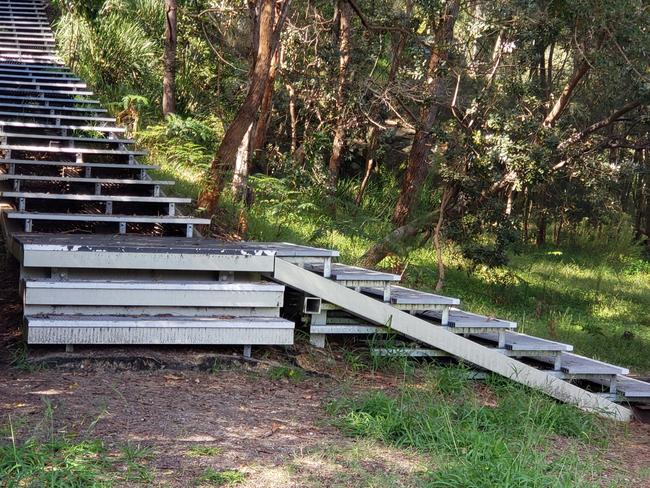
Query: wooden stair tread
{"type": "Point", "coordinates": [156, 322]}
{"type": "Point", "coordinates": [515, 341]}
{"type": "Point", "coordinates": [38, 125]}
{"type": "Point", "coordinates": [74, 164]}
{"type": "Point", "coordinates": [140, 219]}
{"type": "Point", "coordinates": [113, 181]}
{"type": "Point", "coordinates": [574, 364]}
{"type": "Point", "coordinates": [344, 272]}
{"type": "Point", "coordinates": [154, 285]}
{"type": "Point", "coordinates": [462, 319]}
{"type": "Point", "coordinates": [92, 198]}
{"type": "Point", "coordinates": [70, 150]}
{"type": "Point", "coordinates": [401, 295]}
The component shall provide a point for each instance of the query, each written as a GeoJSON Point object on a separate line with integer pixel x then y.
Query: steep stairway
{"type": "Point", "coordinates": [67, 169]}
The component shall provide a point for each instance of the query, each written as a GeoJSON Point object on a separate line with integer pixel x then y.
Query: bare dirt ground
{"type": "Point", "coordinates": [171, 401]}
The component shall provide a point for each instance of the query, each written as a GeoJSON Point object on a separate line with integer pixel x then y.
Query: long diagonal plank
{"type": "Point", "coordinates": [462, 348]}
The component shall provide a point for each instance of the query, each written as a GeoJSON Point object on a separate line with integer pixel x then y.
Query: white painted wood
{"type": "Point", "coordinates": [458, 346]}
{"type": "Point", "coordinates": [94, 198]}
{"type": "Point", "coordinates": [516, 341]}
{"type": "Point", "coordinates": [37, 125]}
{"type": "Point", "coordinates": [137, 219]}
{"type": "Point", "coordinates": [68, 164]}
{"type": "Point", "coordinates": [150, 311]}
{"type": "Point", "coordinates": [126, 293]}
{"type": "Point", "coordinates": [347, 329]}
{"type": "Point", "coordinates": [344, 272]}
{"type": "Point", "coordinates": [68, 150]}
{"type": "Point", "coordinates": [574, 364]}
{"type": "Point", "coordinates": [463, 319]}
{"type": "Point", "coordinates": [106, 181]}
{"type": "Point", "coordinates": [73, 257]}
{"type": "Point", "coordinates": [139, 330]}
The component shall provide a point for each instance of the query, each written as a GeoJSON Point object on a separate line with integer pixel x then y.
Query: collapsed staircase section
{"type": "Point", "coordinates": [398, 321]}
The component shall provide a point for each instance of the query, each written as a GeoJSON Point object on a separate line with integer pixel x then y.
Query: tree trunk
{"type": "Point", "coordinates": [393, 240]}
{"type": "Point", "coordinates": [268, 39]}
{"type": "Point", "coordinates": [242, 166]}
{"type": "Point", "coordinates": [418, 166]}
{"type": "Point", "coordinates": [345, 13]}
{"type": "Point", "coordinates": [509, 201]}
{"type": "Point", "coordinates": [528, 206]}
{"type": "Point", "coordinates": [370, 163]}
{"type": "Point", "coordinates": [169, 59]}
{"type": "Point", "coordinates": [562, 101]}
{"type": "Point", "coordinates": [541, 228]}
{"type": "Point", "coordinates": [262, 124]}
{"type": "Point", "coordinates": [293, 114]}
{"type": "Point", "coordinates": [444, 201]}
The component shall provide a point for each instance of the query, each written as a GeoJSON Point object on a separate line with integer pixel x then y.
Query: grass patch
{"type": "Point", "coordinates": [286, 372]}
{"type": "Point", "coordinates": [228, 477]}
{"type": "Point", "coordinates": [20, 360]}
{"type": "Point", "coordinates": [522, 439]}
{"type": "Point", "coordinates": [133, 457]}
{"type": "Point", "coordinates": [57, 462]}
{"type": "Point", "coordinates": [48, 458]}
{"type": "Point", "coordinates": [204, 451]}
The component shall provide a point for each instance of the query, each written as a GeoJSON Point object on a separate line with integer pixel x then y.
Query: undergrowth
{"type": "Point", "coordinates": [499, 435]}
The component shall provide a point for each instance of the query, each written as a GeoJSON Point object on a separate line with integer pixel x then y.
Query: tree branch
{"type": "Point", "coordinates": [587, 131]}
{"type": "Point", "coordinates": [562, 101]}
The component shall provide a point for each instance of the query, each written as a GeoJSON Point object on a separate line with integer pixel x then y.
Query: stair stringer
{"type": "Point", "coordinates": [384, 314]}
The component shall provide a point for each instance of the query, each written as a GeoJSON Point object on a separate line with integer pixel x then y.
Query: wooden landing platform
{"type": "Point", "coordinates": [174, 245]}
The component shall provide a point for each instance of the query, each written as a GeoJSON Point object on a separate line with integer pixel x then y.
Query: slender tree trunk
{"type": "Point", "coordinates": [509, 202]}
{"type": "Point", "coordinates": [418, 166]}
{"type": "Point", "coordinates": [646, 193]}
{"type": "Point", "coordinates": [169, 59]}
{"type": "Point", "coordinates": [261, 125]}
{"type": "Point", "coordinates": [647, 222]}
{"type": "Point", "coordinates": [370, 163]}
{"type": "Point", "coordinates": [558, 230]}
{"type": "Point", "coordinates": [345, 14]}
{"type": "Point", "coordinates": [541, 228]}
{"type": "Point", "coordinates": [268, 39]}
{"type": "Point", "coordinates": [293, 114]}
{"type": "Point", "coordinates": [444, 201]}
{"type": "Point", "coordinates": [528, 206]}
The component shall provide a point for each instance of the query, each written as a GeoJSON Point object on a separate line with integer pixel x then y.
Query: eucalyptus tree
{"type": "Point", "coordinates": [169, 61]}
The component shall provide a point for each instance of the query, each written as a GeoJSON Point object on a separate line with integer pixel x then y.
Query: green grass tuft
{"type": "Point", "coordinates": [204, 451]}
{"type": "Point", "coordinates": [287, 372]}
{"type": "Point", "coordinates": [213, 477]}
